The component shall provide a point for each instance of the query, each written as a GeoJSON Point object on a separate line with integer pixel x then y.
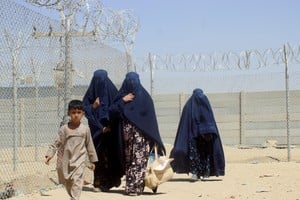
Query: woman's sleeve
{"type": "Point", "coordinates": [116, 109]}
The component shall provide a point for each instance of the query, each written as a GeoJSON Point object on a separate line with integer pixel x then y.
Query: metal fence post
{"type": "Point", "coordinates": [15, 98]}
{"type": "Point", "coordinates": [287, 96]}
{"type": "Point", "coordinates": [242, 117]}
{"type": "Point", "coordinates": [67, 70]}
{"type": "Point", "coordinates": [152, 64]}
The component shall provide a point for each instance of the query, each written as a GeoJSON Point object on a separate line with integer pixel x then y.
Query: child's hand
{"type": "Point", "coordinates": [47, 160]}
{"type": "Point", "coordinates": [92, 166]}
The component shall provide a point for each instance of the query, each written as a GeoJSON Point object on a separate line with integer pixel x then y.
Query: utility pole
{"type": "Point", "coordinates": [67, 36]}
{"type": "Point", "coordinates": [121, 26]}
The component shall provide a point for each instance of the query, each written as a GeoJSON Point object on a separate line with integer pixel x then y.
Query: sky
{"type": "Point", "coordinates": [206, 26]}
{"type": "Point", "coordinates": [174, 27]}
{"type": "Point", "coordinates": [202, 26]}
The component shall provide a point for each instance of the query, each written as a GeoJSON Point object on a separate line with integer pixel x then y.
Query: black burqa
{"type": "Point", "coordinates": [139, 112]}
{"type": "Point", "coordinates": [196, 122]}
{"type": "Point", "coordinates": [108, 170]}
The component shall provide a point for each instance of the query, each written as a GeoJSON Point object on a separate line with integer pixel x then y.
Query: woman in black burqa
{"type": "Point", "coordinates": [134, 116]}
{"type": "Point", "coordinates": [198, 148]}
{"type": "Point", "coordinates": [96, 101]}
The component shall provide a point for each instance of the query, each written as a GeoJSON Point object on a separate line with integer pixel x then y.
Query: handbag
{"type": "Point", "coordinates": [158, 170]}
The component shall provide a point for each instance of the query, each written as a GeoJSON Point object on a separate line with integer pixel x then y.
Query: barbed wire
{"type": "Point", "coordinates": [249, 59]}
{"type": "Point", "coordinates": [90, 17]}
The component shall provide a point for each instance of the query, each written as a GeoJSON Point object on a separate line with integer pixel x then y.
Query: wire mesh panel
{"type": "Point", "coordinates": [255, 93]}
{"type": "Point", "coordinates": [33, 88]}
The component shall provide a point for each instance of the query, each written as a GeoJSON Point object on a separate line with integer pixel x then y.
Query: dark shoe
{"type": "Point", "coordinates": [154, 190]}
{"type": "Point", "coordinates": [133, 194]}
{"type": "Point", "coordinates": [104, 188]}
{"type": "Point", "coordinates": [207, 173]}
{"type": "Point", "coordinates": [118, 183]}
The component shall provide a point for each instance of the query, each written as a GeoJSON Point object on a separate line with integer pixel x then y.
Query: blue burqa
{"type": "Point", "coordinates": [108, 170]}
{"type": "Point", "coordinates": [139, 112]}
{"type": "Point", "coordinates": [197, 120]}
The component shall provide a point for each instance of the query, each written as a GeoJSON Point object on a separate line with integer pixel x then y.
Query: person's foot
{"type": "Point", "coordinates": [132, 193]}
{"type": "Point", "coordinates": [201, 178]}
{"type": "Point", "coordinates": [194, 178]}
{"type": "Point", "coordinates": [207, 173]}
{"type": "Point", "coordinates": [96, 189]}
{"type": "Point", "coordinates": [154, 190]}
{"type": "Point", "coordinates": [85, 182]}
{"type": "Point", "coordinates": [117, 183]}
{"type": "Point", "coordinates": [104, 188]}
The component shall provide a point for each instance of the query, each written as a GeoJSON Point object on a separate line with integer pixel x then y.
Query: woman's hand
{"type": "Point", "coordinates": [96, 103]}
{"type": "Point", "coordinates": [106, 129]}
{"type": "Point", "coordinates": [128, 97]}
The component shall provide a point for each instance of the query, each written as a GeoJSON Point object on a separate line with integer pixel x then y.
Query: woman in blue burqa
{"type": "Point", "coordinates": [134, 115]}
{"type": "Point", "coordinates": [198, 148]}
{"type": "Point", "coordinates": [97, 100]}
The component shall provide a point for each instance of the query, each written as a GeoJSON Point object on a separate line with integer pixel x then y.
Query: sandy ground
{"type": "Point", "coordinates": [251, 173]}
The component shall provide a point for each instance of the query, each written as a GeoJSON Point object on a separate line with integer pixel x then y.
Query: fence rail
{"type": "Point", "coordinates": [244, 118]}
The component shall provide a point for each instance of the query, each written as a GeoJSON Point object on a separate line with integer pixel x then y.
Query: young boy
{"type": "Point", "coordinates": [75, 144]}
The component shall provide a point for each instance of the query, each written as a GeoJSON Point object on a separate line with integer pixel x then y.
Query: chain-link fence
{"type": "Point", "coordinates": [251, 70]}
{"type": "Point", "coordinates": [32, 87]}
{"type": "Point", "coordinates": [255, 94]}
{"type": "Point", "coordinates": [35, 87]}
